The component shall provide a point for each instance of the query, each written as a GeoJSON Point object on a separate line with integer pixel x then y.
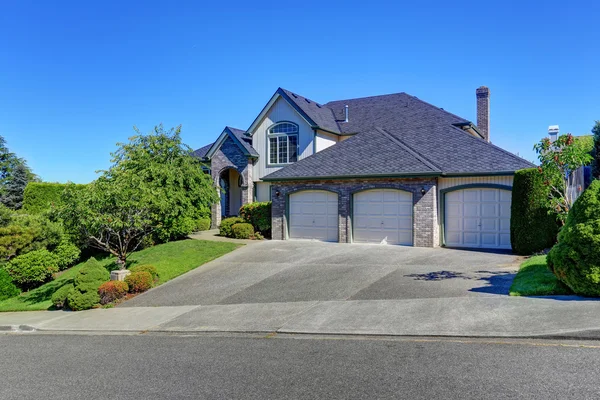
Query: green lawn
{"type": "Point", "coordinates": [170, 259]}
{"type": "Point", "coordinates": [535, 279]}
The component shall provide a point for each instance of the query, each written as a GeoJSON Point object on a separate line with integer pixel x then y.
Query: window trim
{"type": "Point", "coordinates": [278, 135]}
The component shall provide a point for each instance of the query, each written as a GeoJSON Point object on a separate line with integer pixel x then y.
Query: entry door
{"type": "Point", "coordinates": [478, 218]}
{"type": "Point", "coordinates": [383, 216]}
{"type": "Point", "coordinates": [314, 215]}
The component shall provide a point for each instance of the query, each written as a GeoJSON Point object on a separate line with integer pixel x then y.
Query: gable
{"type": "Point", "coordinates": [234, 135]}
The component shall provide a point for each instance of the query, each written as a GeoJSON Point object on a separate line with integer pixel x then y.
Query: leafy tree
{"type": "Point", "coordinates": [153, 188]}
{"type": "Point", "coordinates": [15, 187]}
{"type": "Point", "coordinates": [9, 162]}
{"type": "Point", "coordinates": [557, 160]}
{"type": "Point", "coordinates": [596, 134]}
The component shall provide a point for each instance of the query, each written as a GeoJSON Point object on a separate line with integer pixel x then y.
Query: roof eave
{"type": "Point", "coordinates": [343, 177]}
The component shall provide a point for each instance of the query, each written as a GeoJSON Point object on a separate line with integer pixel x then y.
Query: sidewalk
{"type": "Point", "coordinates": [568, 317]}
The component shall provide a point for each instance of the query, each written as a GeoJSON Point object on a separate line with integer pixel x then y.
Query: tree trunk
{"type": "Point", "coordinates": [121, 262]}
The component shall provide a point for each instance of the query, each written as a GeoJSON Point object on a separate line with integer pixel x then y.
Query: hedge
{"type": "Point", "coordinates": [7, 288]}
{"type": "Point", "coordinates": [532, 229]}
{"type": "Point", "coordinates": [575, 260]}
{"type": "Point", "coordinates": [259, 215]}
{"type": "Point", "coordinates": [42, 196]}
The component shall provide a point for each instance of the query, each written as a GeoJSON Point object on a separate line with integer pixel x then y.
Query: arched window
{"type": "Point", "coordinates": [283, 143]}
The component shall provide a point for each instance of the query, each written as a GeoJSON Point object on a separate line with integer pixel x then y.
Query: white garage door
{"type": "Point", "coordinates": [478, 218]}
{"type": "Point", "coordinates": [383, 215]}
{"type": "Point", "coordinates": [314, 215]}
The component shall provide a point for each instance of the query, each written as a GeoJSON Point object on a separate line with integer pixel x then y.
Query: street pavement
{"type": "Point", "coordinates": [43, 366]}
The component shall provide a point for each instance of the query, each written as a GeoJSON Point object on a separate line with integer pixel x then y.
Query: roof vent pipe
{"type": "Point", "coordinates": [346, 112]}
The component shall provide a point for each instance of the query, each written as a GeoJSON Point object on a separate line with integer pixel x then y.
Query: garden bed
{"type": "Point", "coordinates": [170, 259]}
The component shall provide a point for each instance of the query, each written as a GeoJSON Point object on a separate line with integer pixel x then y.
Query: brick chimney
{"type": "Point", "coordinates": [483, 111]}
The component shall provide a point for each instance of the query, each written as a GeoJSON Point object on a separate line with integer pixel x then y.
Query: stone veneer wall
{"type": "Point", "coordinates": [230, 156]}
{"type": "Point", "coordinates": [425, 226]}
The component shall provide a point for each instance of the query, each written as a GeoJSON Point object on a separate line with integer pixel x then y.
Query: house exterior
{"type": "Point", "coordinates": [385, 169]}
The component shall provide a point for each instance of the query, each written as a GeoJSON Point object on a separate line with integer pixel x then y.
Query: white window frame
{"type": "Point", "coordinates": [280, 135]}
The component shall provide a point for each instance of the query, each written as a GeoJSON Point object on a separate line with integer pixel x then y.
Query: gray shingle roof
{"type": "Point", "coordinates": [239, 134]}
{"type": "Point", "coordinates": [322, 116]}
{"type": "Point", "coordinates": [399, 135]}
{"type": "Point", "coordinates": [201, 152]}
{"type": "Point", "coordinates": [244, 139]}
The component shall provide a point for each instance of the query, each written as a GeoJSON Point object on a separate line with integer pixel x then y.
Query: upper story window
{"type": "Point", "coordinates": [283, 143]}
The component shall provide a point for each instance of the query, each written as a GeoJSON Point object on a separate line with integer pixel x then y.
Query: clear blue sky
{"type": "Point", "coordinates": [75, 76]}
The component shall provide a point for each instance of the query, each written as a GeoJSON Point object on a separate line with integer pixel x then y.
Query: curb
{"type": "Point", "coordinates": [17, 328]}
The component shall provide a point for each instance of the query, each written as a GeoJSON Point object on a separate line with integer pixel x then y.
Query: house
{"type": "Point", "coordinates": [384, 169]}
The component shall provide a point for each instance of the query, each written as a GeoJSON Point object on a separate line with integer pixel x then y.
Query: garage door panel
{"type": "Point", "coordinates": [471, 195]}
{"type": "Point", "coordinates": [505, 196]}
{"type": "Point", "coordinates": [490, 225]}
{"type": "Point", "coordinates": [489, 210]}
{"type": "Point", "coordinates": [380, 214]}
{"type": "Point", "coordinates": [477, 218]}
{"type": "Point", "coordinates": [313, 215]}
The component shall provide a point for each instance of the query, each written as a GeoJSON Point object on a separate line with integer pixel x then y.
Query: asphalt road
{"type": "Point", "coordinates": [37, 366]}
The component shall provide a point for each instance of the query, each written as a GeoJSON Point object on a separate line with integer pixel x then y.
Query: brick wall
{"type": "Point", "coordinates": [425, 227]}
{"type": "Point", "coordinates": [229, 156]}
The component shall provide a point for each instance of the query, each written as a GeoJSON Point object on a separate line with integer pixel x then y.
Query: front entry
{"type": "Point", "coordinates": [383, 216]}
{"type": "Point", "coordinates": [231, 192]}
{"type": "Point", "coordinates": [313, 215]}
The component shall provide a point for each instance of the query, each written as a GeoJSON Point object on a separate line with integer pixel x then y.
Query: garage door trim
{"type": "Point", "coordinates": [461, 187]}
{"type": "Point", "coordinates": [305, 189]}
{"type": "Point", "coordinates": [395, 187]}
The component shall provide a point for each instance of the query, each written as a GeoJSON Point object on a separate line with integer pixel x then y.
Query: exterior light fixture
{"type": "Point", "coordinates": [278, 193]}
{"type": "Point", "coordinates": [423, 191]}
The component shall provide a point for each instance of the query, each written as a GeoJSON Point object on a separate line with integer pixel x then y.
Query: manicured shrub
{"type": "Point", "coordinates": [259, 215]}
{"type": "Point", "coordinates": [111, 291]}
{"type": "Point", "coordinates": [575, 259]}
{"type": "Point", "coordinates": [66, 254]}
{"type": "Point", "coordinates": [203, 224]}
{"type": "Point", "coordinates": [47, 234]}
{"type": "Point", "coordinates": [532, 229]}
{"type": "Point", "coordinates": [139, 281]}
{"type": "Point", "coordinates": [242, 231]}
{"type": "Point", "coordinates": [87, 281]}
{"type": "Point", "coordinates": [148, 268]}
{"type": "Point", "coordinates": [14, 239]}
{"type": "Point", "coordinates": [32, 269]}
{"type": "Point", "coordinates": [7, 288]}
{"type": "Point", "coordinates": [227, 223]}
{"type": "Point", "coordinates": [43, 196]}
{"type": "Point", "coordinates": [59, 298]}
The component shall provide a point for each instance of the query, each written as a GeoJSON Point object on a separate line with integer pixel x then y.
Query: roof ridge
{"type": "Point", "coordinates": [367, 97]}
{"type": "Point", "coordinates": [406, 147]}
{"type": "Point", "coordinates": [438, 108]}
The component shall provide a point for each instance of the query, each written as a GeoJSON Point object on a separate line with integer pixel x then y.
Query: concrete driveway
{"type": "Point", "coordinates": [304, 271]}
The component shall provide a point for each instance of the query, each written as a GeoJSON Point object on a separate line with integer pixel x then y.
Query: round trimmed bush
{"type": "Point", "coordinates": [79, 301]}
{"type": "Point", "coordinates": [203, 224]}
{"type": "Point", "coordinates": [242, 231]}
{"type": "Point", "coordinates": [148, 268]}
{"type": "Point", "coordinates": [32, 269]}
{"type": "Point", "coordinates": [259, 215]}
{"type": "Point", "coordinates": [66, 254]}
{"type": "Point", "coordinates": [532, 229]}
{"type": "Point", "coordinates": [87, 281]}
{"type": "Point", "coordinates": [139, 281]}
{"type": "Point", "coordinates": [7, 288]}
{"type": "Point", "coordinates": [575, 259]}
{"type": "Point", "coordinates": [59, 298]}
{"type": "Point", "coordinates": [227, 223]}
{"type": "Point", "coordinates": [112, 290]}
